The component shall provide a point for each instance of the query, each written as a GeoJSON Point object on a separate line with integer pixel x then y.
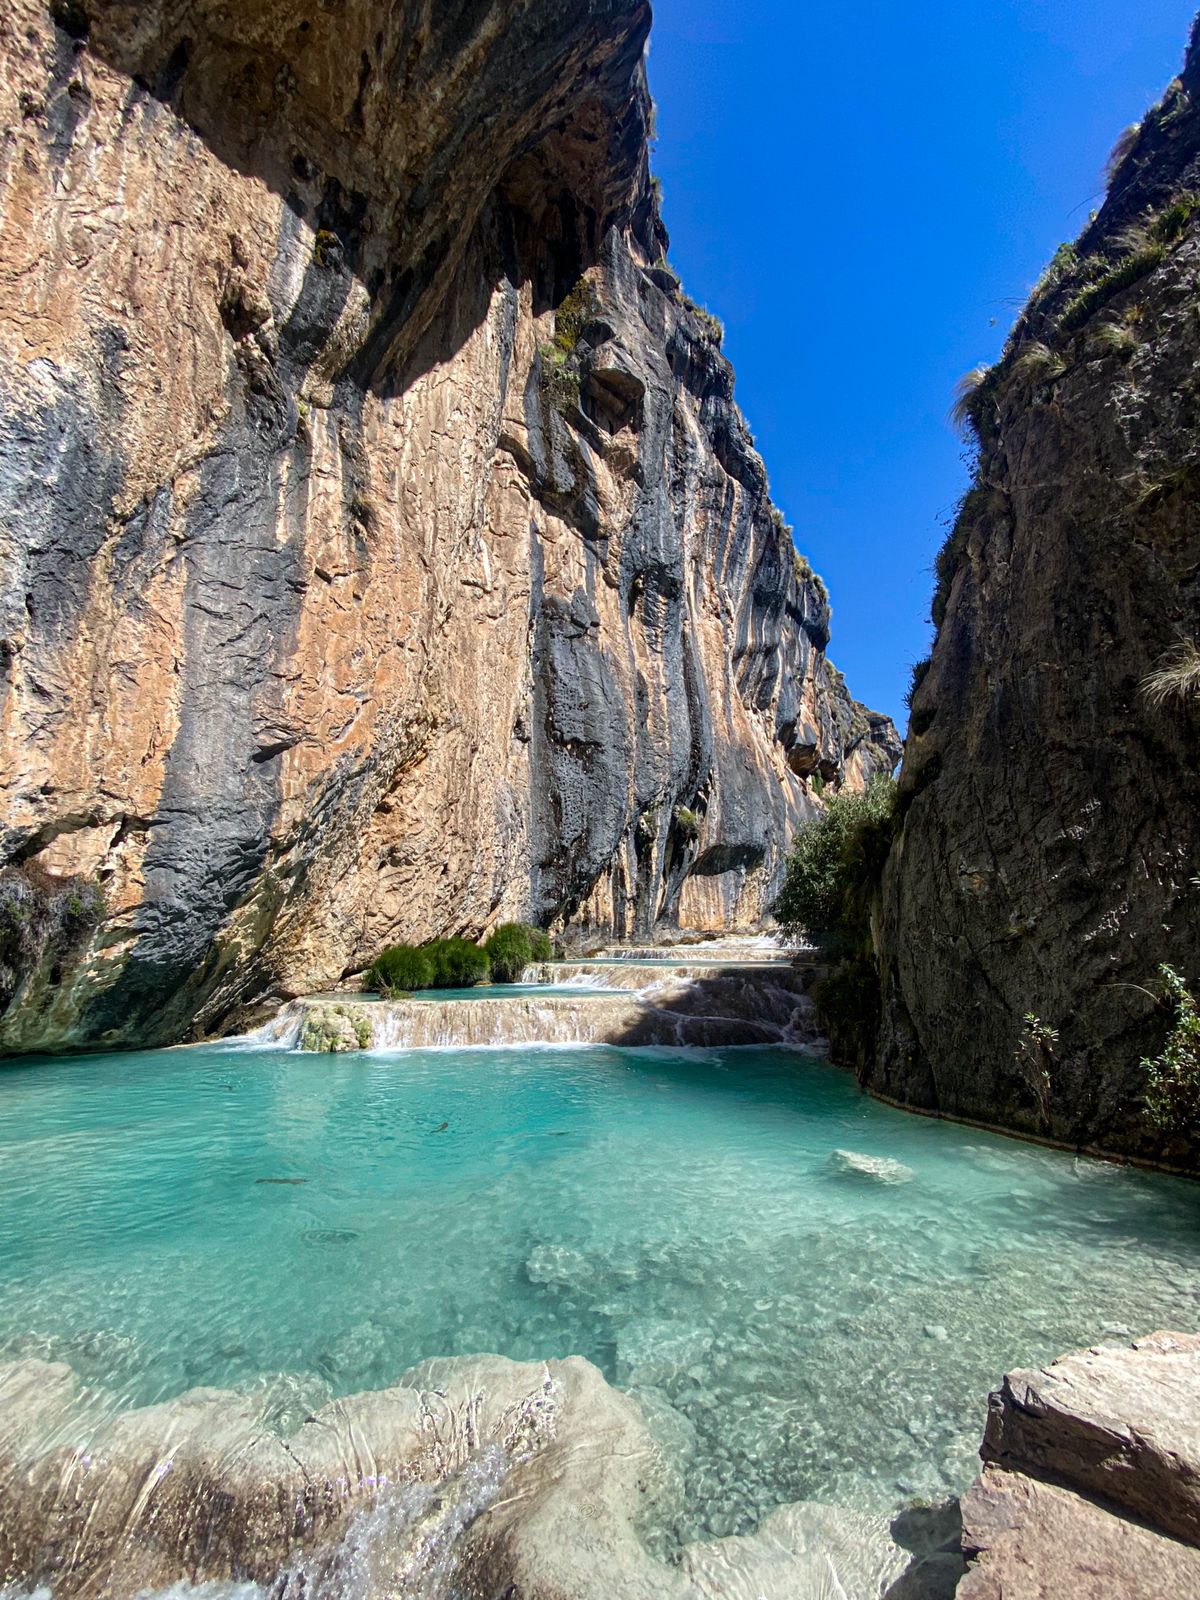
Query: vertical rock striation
{"type": "Point", "coordinates": [1047, 861]}
{"type": "Point", "coordinates": [382, 553]}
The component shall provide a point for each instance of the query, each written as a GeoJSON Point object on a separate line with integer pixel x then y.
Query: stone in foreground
{"type": "Point", "coordinates": [1035, 1541]}
{"type": "Point", "coordinates": [1091, 1481]}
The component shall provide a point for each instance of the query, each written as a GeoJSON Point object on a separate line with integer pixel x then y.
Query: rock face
{"type": "Point", "coordinates": [1091, 1481]}
{"type": "Point", "coordinates": [1051, 806]}
{"type": "Point", "coordinates": [382, 553]}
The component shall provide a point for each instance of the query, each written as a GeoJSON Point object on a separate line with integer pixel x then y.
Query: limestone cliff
{"type": "Point", "coordinates": [1049, 852]}
{"type": "Point", "coordinates": [382, 553]}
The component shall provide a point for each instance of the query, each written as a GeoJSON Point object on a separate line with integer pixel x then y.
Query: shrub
{"type": "Point", "coordinates": [400, 968]}
{"type": "Point", "coordinates": [509, 952]}
{"type": "Point", "coordinates": [1178, 678]}
{"type": "Point", "coordinates": [688, 822]}
{"type": "Point", "coordinates": [835, 864]}
{"type": "Point", "coordinates": [457, 963]}
{"type": "Point", "coordinates": [1173, 1076]}
{"type": "Point", "coordinates": [539, 939]}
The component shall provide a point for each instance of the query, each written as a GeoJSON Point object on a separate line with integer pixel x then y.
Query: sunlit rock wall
{"type": "Point", "coordinates": [381, 551]}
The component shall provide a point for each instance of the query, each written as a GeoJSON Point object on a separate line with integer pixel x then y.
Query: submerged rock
{"type": "Point", "coordinates": [878, 1169]}
{"type": "Point", "coordinates": [477, 1477]}
{"type": "Point", "coordinates": [542, 1472]}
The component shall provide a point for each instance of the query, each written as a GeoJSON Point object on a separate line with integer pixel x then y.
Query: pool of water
{"type": "Point", "coordinates": [699, 1224]}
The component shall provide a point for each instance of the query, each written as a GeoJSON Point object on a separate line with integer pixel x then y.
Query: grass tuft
{"type": "Point", "coordinates": [1177, 678]}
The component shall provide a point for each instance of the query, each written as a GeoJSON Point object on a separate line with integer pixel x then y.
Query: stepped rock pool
{"type": "Point", "coordinates": [810, 1292]}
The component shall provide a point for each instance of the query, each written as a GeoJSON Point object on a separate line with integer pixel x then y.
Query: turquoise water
{"type": "Point", "coordinates": [797, 1328]}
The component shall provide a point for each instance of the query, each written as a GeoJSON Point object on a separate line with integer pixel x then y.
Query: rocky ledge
{"type": "Point", "coordinates": [478, 1477]}
{"type": "Point", "coordinates": [709, 1006]}
{"type": "Point", "coordinates": [1090, 1488]}
{"type": "Point", "coordinates": [482, 1476]}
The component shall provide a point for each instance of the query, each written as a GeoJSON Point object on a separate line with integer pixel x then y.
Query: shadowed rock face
{"type": "Point", "coordinates": [1047, 862]}
{"type": "Point", "coordinates": [381, 551]}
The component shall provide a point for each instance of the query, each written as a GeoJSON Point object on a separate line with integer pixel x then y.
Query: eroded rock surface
{"type": "Point", "coordinates": [382, 554]}
{"type": "Point", "coordinates": [1091, 1481]}
{"type": "Point", "coordinates": [1047, 862]}
{"type": "Point", "coordinates": [477, 1477]}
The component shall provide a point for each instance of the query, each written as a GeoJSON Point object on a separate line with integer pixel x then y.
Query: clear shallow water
{"type": "Point", "coordinates": [797, 1330]}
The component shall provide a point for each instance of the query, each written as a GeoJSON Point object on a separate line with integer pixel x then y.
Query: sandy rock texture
{"type": "Point", "coordinates": [1091, 1479]}
{"type": "Point", "coordinates": [1051, 806]}
{"type": "Point", "coordinates": [382, 554]}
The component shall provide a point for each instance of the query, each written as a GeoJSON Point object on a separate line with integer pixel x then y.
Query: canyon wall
{"type": "Point", "coordinates": [1048, 856]}
{"type": "Point", "coordinates": [382, 553]}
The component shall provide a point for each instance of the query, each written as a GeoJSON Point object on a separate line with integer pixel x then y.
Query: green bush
{"type": "Point", "coordinates": [1173, 1076]}
{"type": "Point", "coordinates": [512, 947]}
{"type": "Point", "coordinates": [833, 868]}
{"type": "Point", "coordinates": [400, 968]}
{"type": "Point", "coordinates": [510, 951]}
{"type": "Point", "coordinates": [457, 963]}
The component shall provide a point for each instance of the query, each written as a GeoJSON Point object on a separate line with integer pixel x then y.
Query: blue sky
{"type": "Point", "coordinates": [864, 196]}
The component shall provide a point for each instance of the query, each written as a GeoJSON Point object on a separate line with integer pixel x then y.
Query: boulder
{"type": "Point", "coordinates": [1036, 1541]}
{"type": "Point", "coordinates": [1091, 1482]}
{"type": "Point", "coordinates": [1122, 1425]}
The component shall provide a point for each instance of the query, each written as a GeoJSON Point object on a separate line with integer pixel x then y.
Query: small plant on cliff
{"type": "Point", "coordinates": [968, 393]}
{"type": "Point", "coordinates": [1177, 678]}
{"type": "Point", "coordinates": [43, 921]}
{"type": "Point", "coordinates": [400, 969]}
{"type": "Point", "coordinates": [574, 311]}
{"type": "Point", "coordinates": [1115, 278]}
{"type": "Point", "coordinates": [687, 822]}
{"type": "Point", "coordinates": [1034, 1055]}
{"type": "Point", "coordinates": [833, 868]}
{"type": "Point", "coordinates": [1039, 363]}
{"type": "Point", "coordinates": [1114, 339]}
{"type": "Point", "coordinates": [559, 382]}
{"type": "Point", "coordinates": [1173, 1076]}
{"type": "Point", "coordinates": [1121, 151]}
